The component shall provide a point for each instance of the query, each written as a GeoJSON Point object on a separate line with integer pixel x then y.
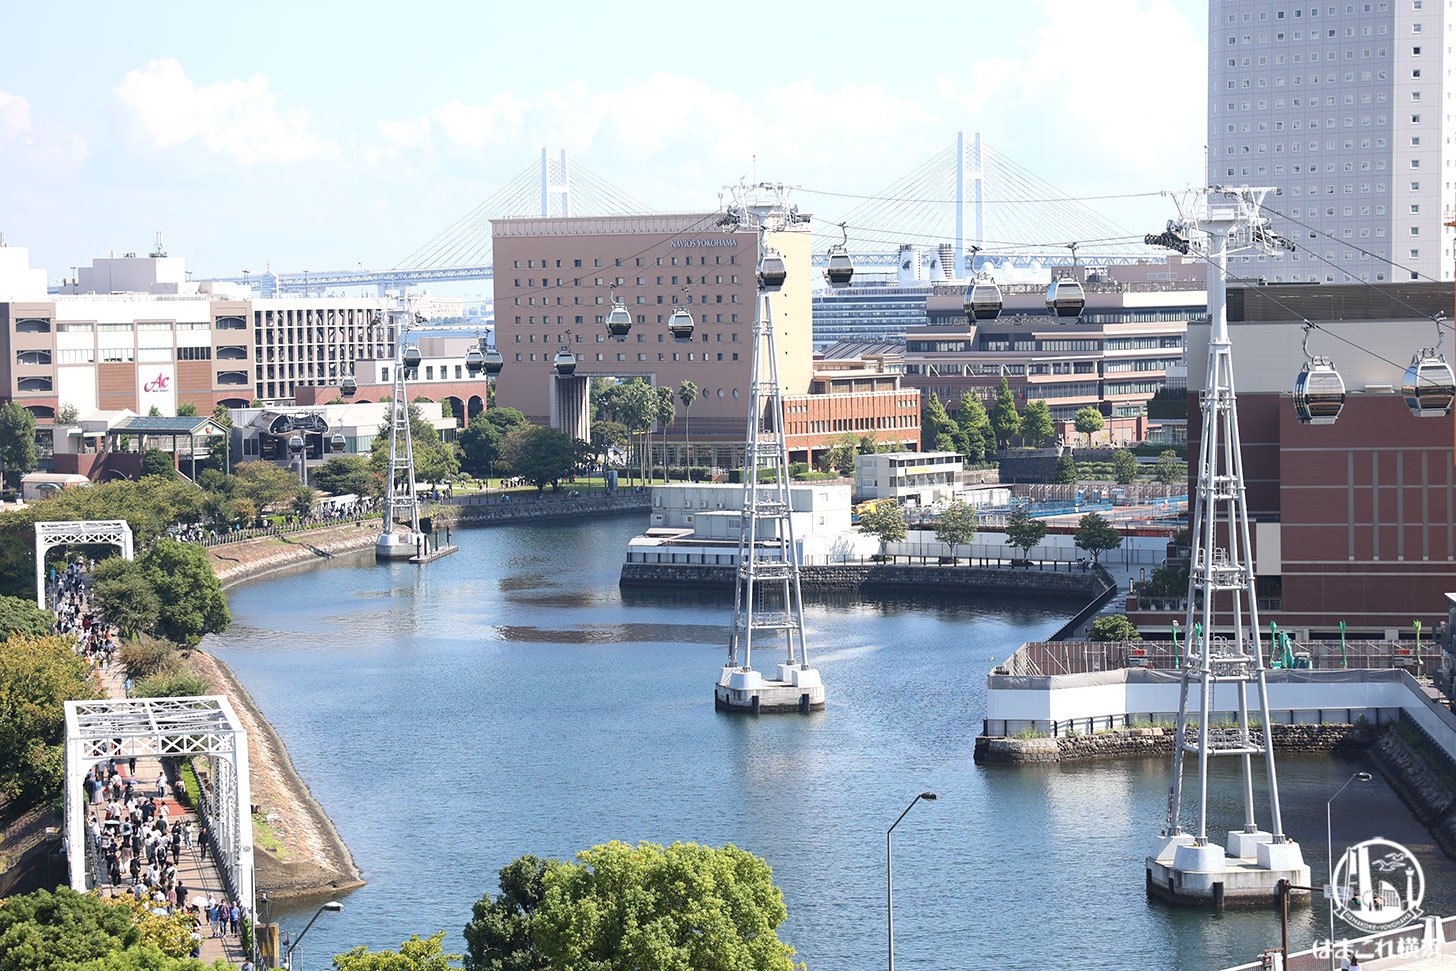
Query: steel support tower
{"type": "Point", "coordinates": [401, 502]}
{"type": "Point", "coordinates": [767, 598]}
{"type": "Point", "coordinates": [1190, 868]}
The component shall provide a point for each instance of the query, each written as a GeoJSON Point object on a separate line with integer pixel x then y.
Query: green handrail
{"type": "Point", "coordinates": [1175, 645]}
{"type": "Point", "coordinates": [1418, 642]}
{"type": "Point", "coordinates": [1344, 654]}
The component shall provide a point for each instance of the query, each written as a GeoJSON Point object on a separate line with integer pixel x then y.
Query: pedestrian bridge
{"type": "Point", "coordinates": [153, 729]}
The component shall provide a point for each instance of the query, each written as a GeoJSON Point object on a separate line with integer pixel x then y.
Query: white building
{"type": "Point", "coordinates": [700, 523]}
{"type": "Point", "coordinates": [1343, 108]}
{"type": "Point", "coordinates": [920, 477]}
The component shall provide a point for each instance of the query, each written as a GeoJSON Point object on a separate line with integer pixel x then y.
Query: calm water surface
{"type": "Point", "coordinates": [509, 699]}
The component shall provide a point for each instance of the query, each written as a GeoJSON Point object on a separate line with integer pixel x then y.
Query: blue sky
{"type": "Point", "coordinates": [322, 135]}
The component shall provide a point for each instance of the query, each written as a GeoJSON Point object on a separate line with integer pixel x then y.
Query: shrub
{"type": "Point", "coordinates": [146, 656]}
{"type": "Point", "coordinates": [171, 684]}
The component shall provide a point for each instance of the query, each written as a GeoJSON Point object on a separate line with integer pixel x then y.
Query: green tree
{"type": "Point", "coordinates": [18, 452]}
{"type": "Point", "coordinates": [186, 410]}
{"type": "Point", "coordinates": [498, 936]}
{"type": "Point", "coordinates": [1005, 420]}
{"type": "Point", "coordinates": [62, 930]}
{"type": "Point", "coordinates": [345, 475]}
{"type": "Point", "coordinates": [975, 427]}
{"type": "Point", "coordinates": [1096, 535]}
{"type": "Point", "coordinates": [1089, 422]}
{"type": "Point", "coordinates": [885, 522]}
{"type": "Point", "coordinates": [839, 457]}
{"type": "Point", "coordinates": [1114, 627]}
{"type": "Point", "coordinates": [540, 455]}
{"type": "Point", "coordinates": [1023, 531]}
{"type": "Point", "coordinates": [21, 616]}
{"type": "Point", "coordinates": [869, 444]}
{"type": "Point", "coordinates": [122, 593]}
{"type": "Point", "coordinates": [224, 419]}
{"type": "Point", "coordinates": [1064, 472]}
{"type": "Point", "coordinates": [1124, 466]}
{"type": "Point", "coordinates": [936, 428]}
{"type": "Point", "coordinates": [1169, 470]}
{"type": "Point", "coordinates": [68, 414]}
{"type": "Point", "coordinates": [303, 500]}
{"type": "Point", "coordinates": [605, 436]}
{"type": "Point", "coordinates": [263, 483]}
{"type": "Point", "coordinates": [447, 410]}
{"type": "Point", "coordinates": [480, 448]}
{"type": "Point", "coordinates": [157, 462]}
{"type": "Point", "coordinates": [687, 393]}
{"type": "Point", "coordinates": [435, 460]}
{"type": "Point", "coordinates": [192, 601]}
{"type": "Point", "coordinates": [685, 906]}
{"type": "Point", "coordinates": [956, 525]}
{"type": "Point", "coordinates": [416, 954]}
{"type": "Point", "coordinates": [37, 674]}
{"type": "Point", "coordinates": [1037, 430]}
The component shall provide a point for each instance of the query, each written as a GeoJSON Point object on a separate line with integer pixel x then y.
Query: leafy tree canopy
{"type": "Point", "coordinates": [1096, 535]}
{"type": "Point", "coordinates": [1023, 531]}
{"type": "Point", "coordinates": [37, 674]}
{"type": "Point", "coordinates": [975, 428]}
{"type": "Point", "coordinates": [1005, 419]}
{"type": "Point", "coordinates": [1114, 627]}
{"type": "Point", "coordinates": [345, 475]}
{"type": "Point", "coordinates": [956, 525]}
{"type": "Point", "coordinates": [192, 601]}
{"type": "Point", "coordinates": [498, 936]}
{"type": "Point", "coordinates": [157, 462]}
{"type": "Point", "coordinates": [540, 455]}
{"type": "Point", "coordinates": [1089, 422]}
{"type": "Point", "coordinates": [416, 954]}
{"type": "Point", "coordinates": [62, 930]}
{"type": "Point", "coordinates": [18, 452]}
{"type": "Point", "coordinates": [885, 521]}
{"type": "Point", "coordinates": [1064, 472]}
{"type": "Point", "coordinates": [1169, 470]}
{"type": "Point", "coordinates": [21, 616]}
{"type": "Point", "coordinates": [1037, 429]}
{"type": "Point", "coordinates": [1124, 466]}
{"type": "Point", "coordinates": [684, 906]}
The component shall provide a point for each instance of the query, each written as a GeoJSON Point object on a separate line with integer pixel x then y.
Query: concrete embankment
{"type": "Point", "coordinates": [881, 576]}
{"type": "Point", "coordinates": [305, 856]}
{"type": "Point", "coordinates": [545, 506]}
{"type": "Point", "coordinates": [235, 563]}
{"type": "Point", "coordinates": [1134, 743]}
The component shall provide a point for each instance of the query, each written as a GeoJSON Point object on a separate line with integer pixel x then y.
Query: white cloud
{"type": "Point", "coordinates": [239, 119]}
{"type": "Point", "coordinates": [47, 148]}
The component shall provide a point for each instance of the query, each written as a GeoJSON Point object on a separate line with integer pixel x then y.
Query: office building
{"type": "Point", "coordinates": [1343, 109]}
{"type": "Point", "coordinates": [1113, 358]}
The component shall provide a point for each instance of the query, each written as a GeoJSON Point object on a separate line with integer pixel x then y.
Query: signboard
{"type": "Point", "coordinates": [156, 387]}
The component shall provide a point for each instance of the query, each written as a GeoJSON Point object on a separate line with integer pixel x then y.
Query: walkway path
{"type": "Point", "coordinates": [200, 877]}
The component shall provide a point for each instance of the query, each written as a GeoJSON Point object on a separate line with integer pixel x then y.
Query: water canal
{"type": "Point", "coordinates": [509, 699]}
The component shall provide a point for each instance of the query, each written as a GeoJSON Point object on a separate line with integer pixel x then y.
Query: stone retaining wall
{"type": "Point", "coordinates": [235, 563]}
{"type": "Point", "coordinates": [1135, 743]}
{"type": "Point", "coordinates": [547, 507]}
{"type": "Point", "coordinates": [1429, 798]}
{"type": "Point", "coordinates": [880, 576]}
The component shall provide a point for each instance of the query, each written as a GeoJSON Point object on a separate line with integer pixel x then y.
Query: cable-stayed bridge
{"type": "Point", "coordinates": [967, 200]}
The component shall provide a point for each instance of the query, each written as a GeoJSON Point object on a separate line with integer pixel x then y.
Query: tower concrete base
{"type": "Point", "coordinates": [397, 544]}
{"type": "Point", "coordinates": [795, 689]}
{"type": "Point", "coordinates": [1186, 874]}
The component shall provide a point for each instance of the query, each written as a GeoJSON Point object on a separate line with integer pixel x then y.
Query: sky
{"type": "Point", "coordinates": [326, 135]}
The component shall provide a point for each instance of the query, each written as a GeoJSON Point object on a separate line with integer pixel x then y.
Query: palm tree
{"type": "Point", "coordinates": [687, 393]}
{"type": "Point", "coordinates": [663, 413]}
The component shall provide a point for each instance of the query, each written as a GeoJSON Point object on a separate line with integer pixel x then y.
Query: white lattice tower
{"type": "Point", "coordinates": [767, 598]}
{"type": "Point", "coordinates": [401, 503]}
{"type": "Point", "coordinates": [1219, 221]}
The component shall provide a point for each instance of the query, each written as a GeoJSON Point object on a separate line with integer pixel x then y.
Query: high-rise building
{"type": "Point", "coordinates": [1342, 108]}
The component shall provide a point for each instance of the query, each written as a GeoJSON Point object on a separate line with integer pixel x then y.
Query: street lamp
{"type": "Point", "coordinates": [890, 873]}
{"type": "Point", "coordinates": [333, 907]}
{"type": "Point", "coordinates": [1330, 855]}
